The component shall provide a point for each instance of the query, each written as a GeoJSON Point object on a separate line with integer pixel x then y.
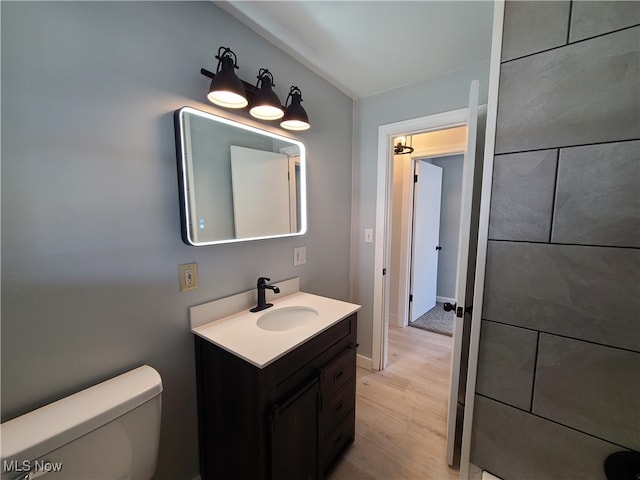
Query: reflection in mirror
{"type": "Point", "coordinates": [237, 182]}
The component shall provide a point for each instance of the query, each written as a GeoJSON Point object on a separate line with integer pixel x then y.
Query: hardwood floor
{"type": "Point", "coordinates": [401, 412]}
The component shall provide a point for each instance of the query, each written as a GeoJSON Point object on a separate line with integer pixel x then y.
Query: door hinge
{"type": "Point", "coordinates": [410, 298]}
{"type": "Point", "coordinates": [384, 271]}
{"type": "Point", "coordinates": [415, 179]}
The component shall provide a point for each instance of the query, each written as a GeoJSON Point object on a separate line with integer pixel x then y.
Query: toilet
{"type": "Point", "coordinates": [108, 431]}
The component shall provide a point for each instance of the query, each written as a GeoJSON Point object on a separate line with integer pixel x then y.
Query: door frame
{"type": "Point", "coordinates": [382, 237]}
{"type": "Point", "coordinates": [382, 246]}
{"type": "Point", "coordinates": [406, 220]}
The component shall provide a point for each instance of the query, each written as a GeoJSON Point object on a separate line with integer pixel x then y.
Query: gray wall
{"type": "Point", "coordinates": [442, 94]}
{"type": "Point", "coordinates": [559, 358]}
{"type": "Point", "coordinates": [90, 220]}
{"type": "Point", "coordinates": [449, 223]}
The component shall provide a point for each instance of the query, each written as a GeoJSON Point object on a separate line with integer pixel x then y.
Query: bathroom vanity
{"type": "Point", "coordinates": [277, 401]}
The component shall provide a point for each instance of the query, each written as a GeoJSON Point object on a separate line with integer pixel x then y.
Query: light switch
{"type": "Point", "coordinates": [299, 256]}
{"type": "Point", "coordinates": [368, 235]}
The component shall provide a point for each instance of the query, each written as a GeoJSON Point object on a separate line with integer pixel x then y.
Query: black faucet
{"type": "Point", "coordinates": [262, 302]}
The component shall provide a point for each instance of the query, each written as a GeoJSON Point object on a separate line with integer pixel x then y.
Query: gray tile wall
{"type": "Point", "coordinates": [556, 98]}
{"type": "Point", "coordinates": [590, 293]}
{"type": "Point", "coordinates": [592, 388]}
{"type": "Point", "coordinates": [559, 359]}
{"type": "Point", "coordinates": [507, 361]}
{"type": "Point", "coordinates": [522, 196]}
{"type": "Point", "coordinates": [598, 202]}
{"type": "Point", "coordinates": [534, 27]}
{"type": "Point", "coordinates": [513, 444]}
{"type": "Point", "coordinates": [590, 18]}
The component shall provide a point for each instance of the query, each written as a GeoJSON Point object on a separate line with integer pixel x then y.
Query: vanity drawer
{"type": "Point", "coordinates": [336, 408]}
{"type": "Point", "coordinates": [332, 447]}
{"type": "Point", "coordinates": [313, 351]}
{"type": "Point", "coordinates": [337, 373]}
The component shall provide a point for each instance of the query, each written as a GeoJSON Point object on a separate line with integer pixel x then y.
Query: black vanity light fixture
{"type": "Point", "coordinates": [266, 104]}
{"type": "Point", "coordinates": [295, 116]}
{"type": "Point", "coordinates": [229, 91]}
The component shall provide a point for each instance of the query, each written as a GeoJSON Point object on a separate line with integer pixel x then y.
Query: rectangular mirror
{"type": "Point", "coordinates": [237, 182]}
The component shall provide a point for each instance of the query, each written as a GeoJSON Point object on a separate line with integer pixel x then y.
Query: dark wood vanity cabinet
{"type": "Point", "coordinates": [291, 420]}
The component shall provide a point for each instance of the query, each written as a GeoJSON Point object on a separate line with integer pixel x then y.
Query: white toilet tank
{"type": "Point", "coordinates": [108, 431]}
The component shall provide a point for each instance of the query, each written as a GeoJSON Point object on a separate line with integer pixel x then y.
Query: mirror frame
{"type": "Point", "coordinates": [185, 213]}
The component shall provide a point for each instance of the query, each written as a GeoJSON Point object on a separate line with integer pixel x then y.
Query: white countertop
{"type": "Point", "coordinates": [239, 333]}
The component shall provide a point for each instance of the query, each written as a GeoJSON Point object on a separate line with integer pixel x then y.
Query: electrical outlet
{"type": "Point", "coordinates": [299, 256]}
{"type": "Point", "coordinates": [188, 276]}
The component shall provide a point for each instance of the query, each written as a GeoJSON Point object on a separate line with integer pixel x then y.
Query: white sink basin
{"type": "Point", "coordinates": [287, 318]}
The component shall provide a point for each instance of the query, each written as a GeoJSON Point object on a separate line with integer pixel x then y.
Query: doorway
{"type": "Point", "coordinates": [467, 117]}
{"type": "Point", "coordinates": [439, 148]}
{"type": "Point", "coordinates": [440, 318]}
{"type": "Point", "coordinates": [425, 245]}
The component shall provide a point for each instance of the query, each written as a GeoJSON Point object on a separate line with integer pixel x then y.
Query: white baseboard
{"type": "Point", "coordinates": [445, 300]}
{"type": "Point", "coordinates": [364, 362]}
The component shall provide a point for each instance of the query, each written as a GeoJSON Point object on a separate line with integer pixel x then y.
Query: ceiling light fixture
{"type": "Point", "coordinates": [400, 148]}
{"type": "Point", "coordinates": [227, 90]}
{"type": "Point", "coordinates": [295, 116]}
{"type": "Point", "coordinates": [266, 104]}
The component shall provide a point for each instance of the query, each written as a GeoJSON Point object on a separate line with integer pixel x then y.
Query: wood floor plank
{"type": "Point", "coordinates": [401, 412]}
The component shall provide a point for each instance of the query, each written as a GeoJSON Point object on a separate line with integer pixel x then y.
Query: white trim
{"type": "Point", "coordinates": [364, 362]}
{"type": "Point", "coordinates": [483, 235]}
{"type": "Point", "coordinates": [438, 121]}
{"type": "Point", "coordinates": [439, 151]}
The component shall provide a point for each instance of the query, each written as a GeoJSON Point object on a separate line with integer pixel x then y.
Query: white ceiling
{"type": "Point", "coordinates": [368, 47]}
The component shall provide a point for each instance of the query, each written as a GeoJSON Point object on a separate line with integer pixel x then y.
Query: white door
{"type": "Point", "coordinates": [468, 239]}
{"type": "Point", "coordinates": [260, 181]}
{"type": "Point", "coordinates": [426, 237]}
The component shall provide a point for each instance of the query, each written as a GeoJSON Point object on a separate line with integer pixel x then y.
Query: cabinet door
{"type": "Point", "coordinates": [294, 435]}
